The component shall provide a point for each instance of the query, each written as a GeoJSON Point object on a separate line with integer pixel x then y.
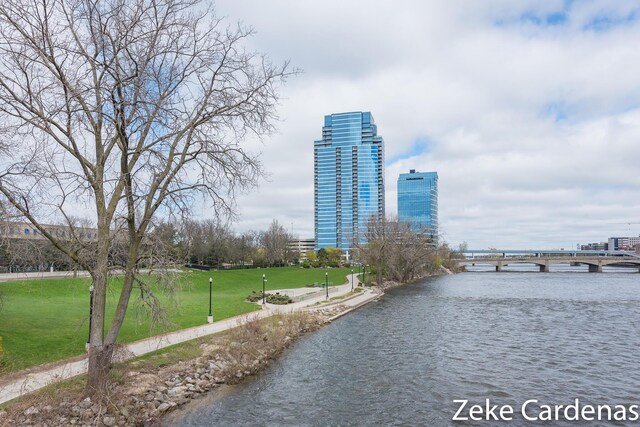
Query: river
{"type": "Point", "coordinates": [403, 360]}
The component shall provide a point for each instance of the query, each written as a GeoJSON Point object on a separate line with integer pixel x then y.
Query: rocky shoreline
{"type": "Point", "coordinates": [143, 391]}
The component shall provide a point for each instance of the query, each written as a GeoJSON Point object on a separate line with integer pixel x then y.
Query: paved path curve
{"type": "Point", "coordinates": [21, 383]}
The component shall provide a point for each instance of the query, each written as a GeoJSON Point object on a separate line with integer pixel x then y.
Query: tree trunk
{"type": "Point", "coordinates": [99, 367]}
{"type": "Point", "coordinates": [99, 353]}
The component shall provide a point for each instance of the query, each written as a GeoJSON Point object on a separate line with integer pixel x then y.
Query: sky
{"type": "Point", "coordinates": [528, 110]}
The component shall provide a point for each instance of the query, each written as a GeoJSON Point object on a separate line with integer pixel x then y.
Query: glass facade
{"type": "Point", "coordinates": [348, 179]}
{"type": "Point", "coordinates": [418, 201]}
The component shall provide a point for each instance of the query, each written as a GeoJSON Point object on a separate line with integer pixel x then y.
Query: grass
{"type": "Point", "coordinates": [368, 280]}
{"type": "Point", "coordinates": [47, 320]}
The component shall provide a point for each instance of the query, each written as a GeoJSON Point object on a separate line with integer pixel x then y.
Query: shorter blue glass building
{"type": "Point", "coordinates": [418, 201]}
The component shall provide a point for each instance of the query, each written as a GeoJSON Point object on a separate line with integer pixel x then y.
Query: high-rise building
{"type": "Point", "coordinates": [348, 179]}
{"type": "Point", "coordinates": [418, 201]}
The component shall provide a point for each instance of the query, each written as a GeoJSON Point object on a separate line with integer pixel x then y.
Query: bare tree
{"type": "Point", "coordinates": [207, 242]}
{"type": "Point", "coordinates": [396, 252]}
{"type": "Point", "coordinates": [242, 250]}
{"type": "Point", "coordinates": [124, 110]}
{"type": "Point", "coordinates": [275, 242]}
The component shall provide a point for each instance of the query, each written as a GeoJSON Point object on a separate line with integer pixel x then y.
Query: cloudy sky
{"type": "Point", "coordinates": [528, 110]}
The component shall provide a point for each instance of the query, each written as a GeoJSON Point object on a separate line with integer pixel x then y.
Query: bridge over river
{"type": "Point", "coordinates": [545, 258]}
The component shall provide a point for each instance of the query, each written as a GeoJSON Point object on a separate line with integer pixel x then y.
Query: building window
{"type": "Point", "coordinates": [26, 231]}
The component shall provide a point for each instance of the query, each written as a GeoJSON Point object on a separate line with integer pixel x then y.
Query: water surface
{"type": "Point", "coordinates": [508, 337]}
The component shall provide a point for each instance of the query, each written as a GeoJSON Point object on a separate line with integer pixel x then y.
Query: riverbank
{"type": "Point", "coordinates": [144, 389]}
{"type": "Point", "coordinates": [442, 271]}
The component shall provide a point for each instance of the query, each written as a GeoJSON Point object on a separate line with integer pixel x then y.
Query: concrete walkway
{"type": "Point", "coordinates": [21, 383]}
{"type": "Point", "coordinates": [34, 275]}
{"type": "Point", "coordinates": [10, 277]}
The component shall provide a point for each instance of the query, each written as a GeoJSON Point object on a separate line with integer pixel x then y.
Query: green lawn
{"type": "Point", "coordinates": [47, 320]}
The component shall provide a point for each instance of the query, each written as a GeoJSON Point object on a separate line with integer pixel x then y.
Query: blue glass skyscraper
{"type": "Point", "coordinates": [348, 179]}
{"type": "Point", "coordinates": [418, 201]}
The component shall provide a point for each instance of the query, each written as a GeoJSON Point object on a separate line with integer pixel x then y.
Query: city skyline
{"type": "Point", "coordinates": [529, 111]}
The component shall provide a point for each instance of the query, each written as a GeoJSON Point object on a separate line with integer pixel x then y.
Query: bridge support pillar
{"type": "Point", "coordinates": [499, 266]}
{"type": "Point", "coordinates": [595, 268]}
{"type": "Point", "coordinates": [544, 268]}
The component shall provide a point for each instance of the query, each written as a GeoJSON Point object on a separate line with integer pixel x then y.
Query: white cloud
{"type": "Point", "coordinates": [534, 128]}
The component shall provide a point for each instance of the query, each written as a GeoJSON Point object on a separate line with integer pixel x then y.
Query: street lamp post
{"type": "Point", "coordinates": [352, 280]}
{"type": "Point", "coordinates": [364, 274]}
{"type": "Point", "coordinates": [264, 289]}
{"type": "Point", "coordinates": [210, 318]}
{"type": "Point", "coordinates": [326, 282]}
{"type": "Point", "coordinates": [90, 314]}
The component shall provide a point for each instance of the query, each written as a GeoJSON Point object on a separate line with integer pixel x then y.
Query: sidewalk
{"type": "Point", "coordinates": [19, 384]}
{"type": "Point", "coordinates": [10, 277]}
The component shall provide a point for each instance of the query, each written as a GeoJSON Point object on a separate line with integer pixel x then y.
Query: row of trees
{"type": "Point", "coordinates": [393, 249]}
{"type": "Point", "coordinates": [214, 243]}
{"type": "Point", "coordinates": [207, 242]}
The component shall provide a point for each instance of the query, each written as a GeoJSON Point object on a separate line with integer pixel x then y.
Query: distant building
{"type": "Point", "coordinates": [301, 247]}
{"type": "Point", "coordinates": [27, 231]}
{"type": "Point", "coordinates": [602, 246]}
{"type": "Point", "coordinates": [418, 201]}
{"type": "Point", "coordinates": [348, 179]}
{"type": "Point", "coordinates": [24, 248]}
{"type": "Point", "coordinates": [623, 243]}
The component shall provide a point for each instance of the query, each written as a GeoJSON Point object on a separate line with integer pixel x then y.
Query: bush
{"type": "Point", "coordinates": [255, 296]}
{"type": "Point", "coordinates": [279, 299]}
{"type": "Point", "coordinates": [306, 265]}
{"type": "Point", "coordinates": [333, 264]}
